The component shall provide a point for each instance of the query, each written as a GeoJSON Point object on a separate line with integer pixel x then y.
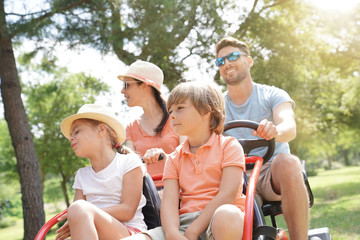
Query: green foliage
{"type": "Point", "coordinates": [10, 202]}
{"type": "Point", "coordinates": [8, 170]}
{"type": "Point", "coordinates": [296, 48]}
{"type": "Point", "coordinates": [163, 32]}
{"type": "Point", "coordinates": [52, 189]}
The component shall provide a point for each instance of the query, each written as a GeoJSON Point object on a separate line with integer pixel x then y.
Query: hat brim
{"type": "Point", "coordinates": [112, 122]}
{"type": "Point", "coordinates": [122, 78]}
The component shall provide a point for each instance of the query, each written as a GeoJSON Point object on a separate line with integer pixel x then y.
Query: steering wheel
{"type": "Point", "coordinates": [249, 144]}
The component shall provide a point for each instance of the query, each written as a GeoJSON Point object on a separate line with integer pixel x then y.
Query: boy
{"type": "Point", "coordinates": [205, 171]}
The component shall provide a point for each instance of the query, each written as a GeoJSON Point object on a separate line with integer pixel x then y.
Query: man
{"type": "Point", "coordinates": [281, 178]}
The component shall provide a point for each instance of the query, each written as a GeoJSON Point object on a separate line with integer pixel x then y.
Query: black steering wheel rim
{"type": "Point", "coordinates": [249, 144]}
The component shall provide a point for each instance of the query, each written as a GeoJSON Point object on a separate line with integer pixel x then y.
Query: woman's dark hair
{"type": "Point", "coordinates": [162, 104]}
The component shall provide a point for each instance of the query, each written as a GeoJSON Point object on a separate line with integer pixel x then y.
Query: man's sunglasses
{"type": "Point", "coordinates": [231, 57]}
{"type": "Point", "coordinates": [126, 84]}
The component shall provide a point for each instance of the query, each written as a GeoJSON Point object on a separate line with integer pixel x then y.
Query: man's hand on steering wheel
{"type": "Point", "coordinates": [266, 130]}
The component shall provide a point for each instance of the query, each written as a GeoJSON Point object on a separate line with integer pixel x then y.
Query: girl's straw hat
{"type": "Point", "coordinates": [146, 72]}
{"type": "Point", "coordinates": [95, 112]}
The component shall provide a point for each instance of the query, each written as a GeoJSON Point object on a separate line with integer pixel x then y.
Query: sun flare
{"type": "Point", "coordinates": [342, 6]}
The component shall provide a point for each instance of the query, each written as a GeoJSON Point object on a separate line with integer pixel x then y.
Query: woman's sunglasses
{"type": "Point", "coordinates": [126, 84]}
{"type": "Point", "coordinates": [231, 57]}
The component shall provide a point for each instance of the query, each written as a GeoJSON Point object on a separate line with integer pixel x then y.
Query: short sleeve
{"type": "Point", "coordinates": [171, 169]}
{"type": "Point", "coordinates": [233, 154]}
{"type": "Point", "coordinates": [129, 132]}
{"type": "Point", "coordinates": [77, 184]}
{"type": "Point", "coordinates": [130, 162]}
{"type": "Point", "coordinates": [279, 96]}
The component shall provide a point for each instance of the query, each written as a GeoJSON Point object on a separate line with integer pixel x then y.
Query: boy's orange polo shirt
{"type": "Point", "coordinates": [199, 175]}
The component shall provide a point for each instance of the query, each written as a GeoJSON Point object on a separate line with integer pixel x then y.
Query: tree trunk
{"type": "Point", "coordinates": [356, 156]}
{"type": "Point", "coordinates": [21, 136]}
{"type": "Point", "coordinates": [329, 162]}
{"type": "Point", "coordinates": [65, 192]}
{"type": "Point", "coordinates": [346, 157]}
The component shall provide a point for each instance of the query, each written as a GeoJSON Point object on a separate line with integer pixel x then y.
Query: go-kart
{"type": "Point", "coordinates": [254, 225]}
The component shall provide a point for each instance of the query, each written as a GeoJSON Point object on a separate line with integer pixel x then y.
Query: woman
{"type": "Point", "coordinates": [151, 134]}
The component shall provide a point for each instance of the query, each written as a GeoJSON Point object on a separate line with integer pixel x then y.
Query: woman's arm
{"type": "Point", "coordinates": [130, 196]}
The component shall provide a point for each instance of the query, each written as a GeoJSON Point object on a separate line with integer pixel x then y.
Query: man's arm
{"type": "Point", "coordinates": [283, 129]}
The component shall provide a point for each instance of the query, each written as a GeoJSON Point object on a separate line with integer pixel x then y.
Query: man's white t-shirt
{"type": "Point", "coordinates": [103, 189]}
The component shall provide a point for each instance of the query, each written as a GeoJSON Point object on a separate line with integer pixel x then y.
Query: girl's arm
{"type": "Point", "coordinates": [130, 196]}
{"type": "Point", "coordinates": [229, 186]}
{"type": "Point", "coordinates": [170, 210]}
{"type": "Point", "coordinates": [79, 195]}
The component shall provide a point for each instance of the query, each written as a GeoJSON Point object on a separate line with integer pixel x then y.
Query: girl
{"type": "Point", "coordinates": [108, 194]}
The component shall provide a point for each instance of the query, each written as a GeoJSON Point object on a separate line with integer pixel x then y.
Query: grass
{"type": "Point", "coordinates": [336, 206]}
{"type": "Point", "coordinates": [16, 231]}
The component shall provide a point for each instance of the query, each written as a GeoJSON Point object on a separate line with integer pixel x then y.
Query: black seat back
{"type": "Point", "coordinates": [151, 210]}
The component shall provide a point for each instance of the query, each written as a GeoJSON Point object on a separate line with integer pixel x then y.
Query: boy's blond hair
{"type": "Point", "coordinates": [206, 97]}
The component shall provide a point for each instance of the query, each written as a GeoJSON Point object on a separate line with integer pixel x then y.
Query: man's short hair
{"type": "Point", "coordinates": [230, 41]}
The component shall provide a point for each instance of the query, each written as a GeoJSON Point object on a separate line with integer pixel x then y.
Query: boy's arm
{"type": "Point", "coordinates": [229, 186]}
{"type": "Point", "coordinates": [170, 210]}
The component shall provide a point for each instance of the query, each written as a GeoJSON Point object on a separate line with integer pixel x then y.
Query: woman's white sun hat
{"type": "Point", "coordinates": [146, 72]}
{"type": "Point", "coordinates": [95, 112]}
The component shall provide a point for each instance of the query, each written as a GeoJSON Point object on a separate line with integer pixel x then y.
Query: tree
{"type": "Point", "coordinates": [15, 115]}
{"type": "Point", "coordinates": [153, 30]}
{"type": "Point", "coordinates": [21, 136]}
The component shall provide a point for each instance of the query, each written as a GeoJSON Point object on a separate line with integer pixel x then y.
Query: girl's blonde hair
{"type": "Point", "coordinates": [206, 97]}
{"type": "Point", "coordinates": [113, 136]}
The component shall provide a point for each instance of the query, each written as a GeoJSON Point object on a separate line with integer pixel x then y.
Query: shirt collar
{"type": "Point", "coordinates": [209, 143]}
